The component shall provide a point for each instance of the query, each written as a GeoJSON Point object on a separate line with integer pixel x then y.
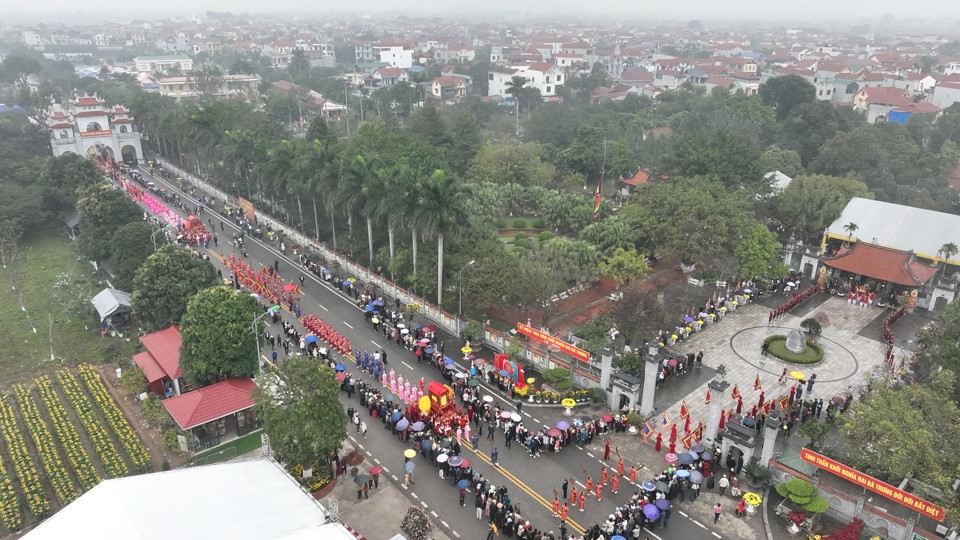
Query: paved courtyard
{"type": "Point", "coordinates": [735, 343]}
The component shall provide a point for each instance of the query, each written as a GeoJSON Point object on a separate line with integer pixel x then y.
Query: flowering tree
{"type": "Point", "coordinates": [416, 525]}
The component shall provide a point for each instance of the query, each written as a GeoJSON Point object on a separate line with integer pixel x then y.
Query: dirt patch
{"type": "Point", "coordinates": [152, 438]}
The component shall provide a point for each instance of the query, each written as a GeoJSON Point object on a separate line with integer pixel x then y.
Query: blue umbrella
{"type": "Point", "coordinates": [418, 426]}
{"type": "Point", "coordinates": [463, 484]}
{"type": "Point", "coordinates": [686, 458]}
{"type": "Point", "coordinates": [651, 511]}
{"type": "Point", "coordinates": [696, 449]}
{"type": "Point", "coordinates": [428, 350]}
{"type": "Point", "coordinates": [504, 373]}
{"type": "Point", "coordinates": [696, 477]}
{"type": "Point", "coordinates": [618, 537]}
{"type": "Point", "coordinates": [310, 339]}
{"type": "Point", "coordinates": [416, 326]}
{"type": "Point", "coordinates": [682, 473]}
{"type": "Point", "coordinates": [395, 416]}
{"type": "Point", "coordinates": [448, 361]}
{"type": "Point", "coordinates": [662, 504]}
{"type": "Point", "coordinates": [341, 367]}
{"type": "Point", "coordinates": [649, 486]}
{"type": "Point", "coordinates": [368, 308]}
{"type": "Point", "coordinates": [706, 456]}
{"type": "Point", "coordinates": [688, 319]}
{"type": "Point", "coordinates": [455, 461]}
{"type": "Point", "coordinates": [402, 424]}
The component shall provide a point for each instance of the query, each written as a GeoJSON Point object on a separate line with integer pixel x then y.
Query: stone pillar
{"type": "Point", "coordinates": [606, 368]}
{"type": "Point", "coordinates": [771, 428]}
{"type": "Point", "coordinates": [650, 370]}
{"type": "Point", "coordinates": [718, 390]}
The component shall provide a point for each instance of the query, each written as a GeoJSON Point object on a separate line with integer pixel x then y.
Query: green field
{"type": "Point", "coordinates": [42, 323]}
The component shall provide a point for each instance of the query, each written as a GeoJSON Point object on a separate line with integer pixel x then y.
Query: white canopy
{"type": "Point", "coordinates": [108, 301]}
{"type": "Point", "coordinates": [254, 500]}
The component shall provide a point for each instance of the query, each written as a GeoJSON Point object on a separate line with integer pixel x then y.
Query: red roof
{"type": "Point", "coordinates": [61, 125]}
{"type": "Point", "coordinates": [919, 107]}
{"type": "Point", "coordinates": [542, 67]}
{"type": "Point", "coordinates": [165, 348]}
{"type": "Point", "coordinates": [88, 101]}
{"type": "Point", "coordinates": [149, 366]}
{"type": "Point", "coordinates": [886, 95]}
{"type": "Point", "coordinates": [449, 80]}
{"type": "Point", "coordinates": [211, 402]}
{"type": "Point", "coordinates": [638, 179]}
{"type": "Point", "coordinates": [79, 114]}
{"type": "Point", "coordinates": [123, 120]}
{"type": "Point", "coordinates": [881, 263]}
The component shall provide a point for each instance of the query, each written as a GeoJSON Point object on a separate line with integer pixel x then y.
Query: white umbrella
{"type": "Point", "coordinates": [404, 331]}
{"type": "Point", "coordinates": [401, 325]}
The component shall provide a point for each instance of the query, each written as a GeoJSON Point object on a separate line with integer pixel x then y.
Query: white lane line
{"type": "Point", "coordinates": [434, 513]}
{"type": "Point", "coordinates": [375, 344]}
{"type": "Point", "coordinates": [361, 446]}
{"type": "Point", "coordinates": [445, 524]}
{"type": "Point", "coordinates": [715, 534]}
{"type": "Point", "coordinates": [394, 477]}
{"type": "Point", "coordinates": [651, 533]}
{"type": "Point", "coordinates": [368, 453]}
{"type": "Point", "coordinates": [682, 513]}
{"type": "Point", "coordinates": [580, 448]}
{"type": "Point", "coordinates": [386, 470]}
{"type": "Point", "coordinates": [424, 503]}
{"type": "Point", "coordinates": [348, 325]}
{"type": "Point", "coordinates": [591, 454]}
{"type": "Point", "coordinates": [702, 526]}
{"type": "Point", "coordinates": [537, 420]}
{"type": "Point", "coordinates": [415, 496]}
{"type": "Point", "coordinates": [322, 307]}
{"type": "Point", "coordinates": [577, 482]}
{"type": "Point", "coordinates": [455, 533]}
{"type": "Point", "coordinates": [377, 461]}
{"type": "Point", "coordinates": [406, 364]}
{"type": "Point", "coordinates": [528, 415]}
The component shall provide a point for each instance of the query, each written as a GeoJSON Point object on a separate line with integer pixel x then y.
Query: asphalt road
{"type": "Point", "coordinates": [531, 482]}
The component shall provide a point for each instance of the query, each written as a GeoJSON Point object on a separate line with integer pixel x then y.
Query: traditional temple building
{"type": "Point", "coordinates": [87, 127]}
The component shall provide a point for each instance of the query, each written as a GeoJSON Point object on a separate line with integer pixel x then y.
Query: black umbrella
{"type": "Point", "coordinates": [361, 479]}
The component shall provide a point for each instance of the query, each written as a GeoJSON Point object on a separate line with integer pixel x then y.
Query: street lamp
{"type": "Point", "coordinates": [256, 332]}
{"type": "Point", "coordinates": [153, 237]}
{"type": "Point", "coordinates": [460, 291]}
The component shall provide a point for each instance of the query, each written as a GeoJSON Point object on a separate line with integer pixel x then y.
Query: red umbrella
{"type": "Point", "coordinates": [289, 287]}
{"type": "Point", "coordinates": [376, 470]}
{"type": "Point", "coordinates": [686, 425]}
{"type": "Point", "coordinates": [673, 433]}
{"type": "Point", "coordinates": [739, 405]}
{"type": "Point", "coordinates": [607, 418]}
{"type": "Point", "coordinates": [341, 376]}
{"type": "Point", "coordinates": [723, 417]}
{"type": "Point", "coordinates": [659, 441]}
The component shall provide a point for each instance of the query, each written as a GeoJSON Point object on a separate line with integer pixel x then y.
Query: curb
{"type": "Point", "coordinates": [766, 521]}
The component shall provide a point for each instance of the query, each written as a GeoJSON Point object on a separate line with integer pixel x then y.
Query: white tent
{"type": "Point", "coordinates": [255, 500]}
{"type": "Point", "coordinates": [108, 301]}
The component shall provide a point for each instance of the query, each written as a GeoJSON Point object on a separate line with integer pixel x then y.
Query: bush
{"type": "Point", "coordinates": [132, 380]}
{"type": "Point", "coordinates": [416, 523]}
{"type": "Point", "coordinates": [521, 236]}
{"type": "Point", "coordinates": [546, 235]}
{"type": "Point", "coordinates": [521, 243]}
{"type": "Point", "coordinates": [756, 472]}
{"type": "Point", "coordinates": [597, 394]}
{"type": "Point", "coordinates": [154, 412]}
{"type": "Point", "coordinates": [520, 223]}
{"type": "Point", "coordinates": [503, 223]}
{"type": "Point", "coordinates": [473, 331]}
{"type": "Point", "coordinates": [563, 385]}
{"type": "Point", "coordinates": [777, 347]}
{"type": "Point", "coordinates": [812, 326]}
{"type": "Point", "coordinates": [539, 223]}
{"type": "Point", "coordinates": [634, 419]}
{"type": "Point", "coordinates": [556, 374]}
{"type": "Point", "coordinates": [170, 440]}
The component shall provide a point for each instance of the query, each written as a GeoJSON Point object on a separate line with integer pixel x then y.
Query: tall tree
{"type": "Point", "coordinates": [440, 211]}
{"type": "Point", "coordinates": [465, 141]}
{"type": "Point", "coordinates": [511, 163]}
{"type": "Point", "coordinates": [361, 188]}
{"type": "Point", "coordinates": [811, 202]}
{"type": "Point", "coordinates": [756, 255]}
{"type": "Point", "coordinates": [786, 93]}
{"type": "Point", "coordinates": [299, 405]}
{"type": "Point", "coordinates": [103, 211]}
{"type": "Point", "coordinates": [727, 157]}
{"type": "Point", "coordinates": [165, 283]}
{"type": "Point", "coordinates": [219, 341]}
{"type": "Point", "coordinates": [129, 248]}
{"type": "Point", "coordinates": [64, 177]}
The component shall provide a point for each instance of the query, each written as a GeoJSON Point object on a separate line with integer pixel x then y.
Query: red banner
{"type": "Point", "coordinates": [880, 488]}
{"type": "Point", "coordinates": [97, 133]}
{"type": "Point", "coordinates": [565, 347]}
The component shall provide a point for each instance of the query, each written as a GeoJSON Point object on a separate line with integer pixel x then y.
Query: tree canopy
{"type": "Point", "coordinates": [811, 202]}
{"type": "Point", "coordinates": [129, 248]}
{"type": "Point", "coordinates": [218, 336]}
{"type": "Point", "coordinates": [103, 211]}
{"type": "Point", "coordinates": [757, 254]}
{"type": "Point", "coordinates": [299, 405]}
{"type": "Point", "coordinates": [165, 283]}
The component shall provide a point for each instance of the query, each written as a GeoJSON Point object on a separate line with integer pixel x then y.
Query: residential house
{"type": "Point", "coordinates": [448, 88]}
{"type": "Point", "coordinates": [946, 94]}
{"type": "Point", "coordinates": [637, 77]}
{"type": "Point", "coordinates": [238, 86]}
{"type": "Point", "coordinates": [668, 79]}
{"type": "Point", "coordinates": [155, 64]}
{"type": "Point", "coordinates": [877, 102]}
{"type": "Point", "coordinates": [543, 76]}
{"type": "Point", "coordinates": [386, 76]}
{"type": "Point", "coordinates": [397, 54]}
{"type": "Point", "coordinates": [901, 115]}
{"type": "Point", "coordinates": [840, 90]}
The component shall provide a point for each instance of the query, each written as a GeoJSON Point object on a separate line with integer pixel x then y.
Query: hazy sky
{"type": "Point", "coordinates": [806, 10]}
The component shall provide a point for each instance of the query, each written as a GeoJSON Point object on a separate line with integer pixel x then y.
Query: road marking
{"type": "Point", "coordinates": [415, 496]}
{"type": "Point", "coordinates": [455, 533]}
{"type": "Point", "coordinates": [577, 482]}
{"type": "Point", "coordinates": [358, 444]}
{"type": "Point", "coordinates": [377, 461]}
{"type": "Point", "coordinates": [386, 470]}
{"type": "Point", "coordinates": [375, 344]}
{"type": "Point", "coordinates": [347, 325]}
{"type": "Point", "coordinates": [580, 448]}
{"type": "Point", "coordinates": [424, 503]}
{"type": "Point", "coordinates": [445, 524]}
{"type": "Point", "coordinates": [322, 307]}
{"type": "Point", "coordinates": [528, 415]}
{"type": "Point", "coordinates": [702, 526]}
{"type": "Point", "coordinates": [434, 513]}
{"type": "Point", "coordinates": [682, 513]}
{"type": "Point", "coordinates": [591, 454]}
{"type": "Point", "coordinates": [651, 533]}
{"type": "Point", "coordinates": [368, 453]}
{"type": "Point", "coordinates": [406, 364]}
{"type": "Point", "coordinates": [537, 420]}
{"type": "Point", "coordinates": [715, 534]}
{"type": "Point", "coordinates": [394, 477]}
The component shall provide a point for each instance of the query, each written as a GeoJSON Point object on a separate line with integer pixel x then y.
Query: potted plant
{"type": "Point", "coordinates": [756, 474]}
{"type": "Point", "coordinates": [634, 420]}
{"type": "Point", "coordinates": [797, 518]}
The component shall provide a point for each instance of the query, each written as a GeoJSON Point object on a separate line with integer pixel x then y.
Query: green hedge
{"type": "Point", "coordinates": [519, 223]}
{"type": "Point", "coordinates": [777, 347]}
{"type": "Point", "coordinates": [556, 374]}
{"type": "Point", "coordinates": [565, 384]}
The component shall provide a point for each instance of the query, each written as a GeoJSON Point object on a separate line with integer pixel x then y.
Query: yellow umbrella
{"type": "Point", "coordinates": [466, 350]}
{"type": "Point", "coordinates": [568, 402]}
{"type": "Point", "coordinates": [409, 453]}
{"type": "Point", "coordinates": [531, 380]}
{"type": "Point", "coordinates": [798, 375]}
{"type": "Point", "coordinates": [752, 499]}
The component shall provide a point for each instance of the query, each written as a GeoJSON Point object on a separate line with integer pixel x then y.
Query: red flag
{"type": "Point", "coordinates": [736, 392]}
{"type": "Point", "coordinates": [687, 441]}
{"type": "Point", "coordinates": [686, 425]}
{"type": "Point", "coordinates": [784, 403]}
{"type": "Point", "coordinates": [756, 383]}
{"type": "Point", "coordinates": [684, 413]}
{"type": "Point", "coordinates": [698, 433]}
{"type": "Point", "coordinates": [707, 400]}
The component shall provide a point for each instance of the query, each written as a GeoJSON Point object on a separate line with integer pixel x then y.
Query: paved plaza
{"type": "Point", "coordinates": [735, 343]}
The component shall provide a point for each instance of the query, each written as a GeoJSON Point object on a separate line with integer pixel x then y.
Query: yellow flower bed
{"type": "Point", "coordinates": [67, 433]}
{"type": "Point", "coordinates": [125, 433]}
{"type": "Point", "coordinates": [22, 463]}
{"type": "Point", "coordinates": [57, 474]}
{"type": "Point", "coordinates": [113, 464]}
{"type": "Point", "coordinates": [9, 505]}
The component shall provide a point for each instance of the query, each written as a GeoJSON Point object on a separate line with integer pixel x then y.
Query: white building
{"type": "Point", "coordinates": [394, 53]}
{"type": "Point", "coordinates": [946, 94]}
{"type": "Point", "coordinates": [231, 86]}
{"type": "Point", "coordinates": [88, 126]}
{"type": "Point", "coordinates": [544, 76]}
{"type": "Point", "coordinates": [154, 64]}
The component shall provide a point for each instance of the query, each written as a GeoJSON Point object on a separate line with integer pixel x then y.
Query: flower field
{"type": "Point", "coordinates": [59, 441]}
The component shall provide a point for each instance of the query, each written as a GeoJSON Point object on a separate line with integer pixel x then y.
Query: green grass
{"type": "Point", "coordinates": [26, 353]}
{"type": "Point", "coordinates": [778, 349]}
{"type": "Point", "coordinates": [230, 450]}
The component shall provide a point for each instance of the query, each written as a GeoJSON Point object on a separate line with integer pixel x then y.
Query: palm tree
{"type": "Point", "coordinates": [320, 160]}
{"type": "Point", "coordinates": [409, 197]}
{"type": "Point", "coordinates": [515, 86]}
{"type": "Point", "coordinates": [850, 228]}
{"type": "Point", "coordinates": [361, 180]}
{"type": "Point", "coordinates": [946, 251]}
{"type": "Point", "coordinates": [278, 169]}
{"type": "Point", "coordinates": [243, 150]}
{"type": "Point", "coordinates": [440, 206]}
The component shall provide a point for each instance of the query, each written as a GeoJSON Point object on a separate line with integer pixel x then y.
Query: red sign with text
{"type": "Point", "coordinates": [880, 488]}
{"type": "Point", "coordinates": [542, 337]}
